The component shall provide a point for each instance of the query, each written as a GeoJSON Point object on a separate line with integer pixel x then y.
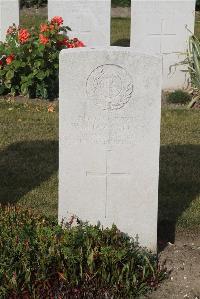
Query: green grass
{"type": "Point", "coordinates": [197, 24]}
{"type": "Point", "coordinates": [29, 156]}
{"type": "Point", "coordinates": [29, 161]}
{"type": "Point", "coordinates": [179, 185]}
{"type": "Point", "coordinates": [29, 21]}
{"type": "Point", "coordinates": [120, 32]}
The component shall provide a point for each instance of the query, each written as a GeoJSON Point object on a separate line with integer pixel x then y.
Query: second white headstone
{"type": "Point", "coordinates": [88, 19]}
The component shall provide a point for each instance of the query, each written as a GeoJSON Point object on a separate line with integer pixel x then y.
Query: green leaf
{"type": "Point", "coordinates": [10, 74]}
{"type": "Point", "coordinates": [2, 89]}
{"type": "Point", "coordinates": [41, 75]}
{"type": "Point", "coordinates": [13, 91]}
{"type": "Point", "coordinates": [8, 85]}
{"type": "Point", "coordinates": [24, 89]}
{"type": "Point", "coordinates": [37, 63]}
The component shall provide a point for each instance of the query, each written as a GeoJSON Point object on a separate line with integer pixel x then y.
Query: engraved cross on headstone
{"type": "Point", "coordinates": [161, 36]}
{"type": "Point", "coordinates": [106, 175]}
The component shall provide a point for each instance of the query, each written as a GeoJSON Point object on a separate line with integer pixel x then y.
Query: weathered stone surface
{"type": "Point", "coordinates": [110, 139]}
{"type": "Point", "coordinates": [159, 27]}
{"type": "Point", "coordinates": [88, 19]}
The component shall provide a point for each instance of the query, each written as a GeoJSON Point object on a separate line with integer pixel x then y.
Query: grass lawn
{"type": "Point", "coordinates": [29, 161]}
{"type": "Point", "coordinates": [29, 156]}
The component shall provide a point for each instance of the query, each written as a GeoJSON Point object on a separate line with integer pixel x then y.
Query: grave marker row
{"type": "Point", "coordinates": [158, 27]}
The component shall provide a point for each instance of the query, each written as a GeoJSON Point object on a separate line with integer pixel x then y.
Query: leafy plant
{"type": "Point", "coordinates": [29, 59]}
{"type": "Point", "coordinates": [197, 5]}
{"type": "Point", "coordinates": [179, 97]}
{"type": "Point", "coordinates": [42, 259]}
{"type": "Point", "coordinates": [31, 3]}
{"type": "Point", "coordinates": [192, 63]}
{"type": "Point", "coordinates": [121, 3]}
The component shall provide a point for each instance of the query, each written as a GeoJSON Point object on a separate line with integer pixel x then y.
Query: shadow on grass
{"type": "Point", "coordinates": [125, 42]}
{"type": "Point", "coordinates": [179, 185]}
{"type": "Point", "coordinates": [24, 166]}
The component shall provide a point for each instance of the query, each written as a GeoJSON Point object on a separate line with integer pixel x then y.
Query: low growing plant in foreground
{"type": "Point", "coordinates": [41, 259]}
{"type": "Point", "coordinates": [29, 59]}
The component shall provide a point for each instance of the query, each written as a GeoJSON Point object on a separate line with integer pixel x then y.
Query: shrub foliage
{"type": "Point", "coordinates": [29, 59]}
{"type": "Point", "coordinates": [121, 3]}
{"type": "Point", "coordinates": [31, 3]}
{"type": "Point", "coordinates": [41, 259]}
{"type": "Point", "coordinates": [179, 96]}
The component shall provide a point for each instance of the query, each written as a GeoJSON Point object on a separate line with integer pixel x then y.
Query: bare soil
{"type": "Point", "coordinates": [121, 12]}
{"type": "Point", "coordinates": [182, 260]}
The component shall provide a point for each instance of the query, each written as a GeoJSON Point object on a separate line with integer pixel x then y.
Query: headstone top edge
{"type": "Point", "coordinates": [110, 50]}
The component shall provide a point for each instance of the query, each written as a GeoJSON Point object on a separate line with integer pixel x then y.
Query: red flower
{"type": "Point", "coordinates": [10, 58]}
{"type": "Point", "coordinates": [75, 43]}
{"type": "Point", "coordinates": [57, 20]}
{"type": "Point", "coordinates": [51, 27]}
{"type": "Point", "coordinates": [43, 39]}
{"type": "Point", "coordinates": [78, 43]}
{"type": "Point", "coordinates": [23, 35]}
{"type": "Point", "coordinates": [43, 28]}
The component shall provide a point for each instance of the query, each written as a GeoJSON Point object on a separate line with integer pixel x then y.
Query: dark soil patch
{"type": "Point", "coordinates": [121, 12]}
{"type": "Point", "coordinates": [182, 260]}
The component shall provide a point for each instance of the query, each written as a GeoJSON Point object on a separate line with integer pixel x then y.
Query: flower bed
{"type": "Point", "coordinates": [29, 59]}
{"type": "Point", "coordinates": [42, 259]}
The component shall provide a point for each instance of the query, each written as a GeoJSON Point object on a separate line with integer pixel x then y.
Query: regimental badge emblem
{"type": "Point", "coordinates": [110, 86]}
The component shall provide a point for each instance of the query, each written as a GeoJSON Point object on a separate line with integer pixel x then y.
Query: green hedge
{"type": "Point", "coordinates": [198, 5]}
{"type": "Point", "coordinates": [121, 3]}
{"type": "Point", "coordinates": [41, 259]}
{"type": "Point", "coordinates": [30, 3]}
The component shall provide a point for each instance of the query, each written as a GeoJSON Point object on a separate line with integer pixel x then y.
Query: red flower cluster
{"type": "Point", "coordinates": [46, 27]}
{"type": "Point", "coordinates": [10, 58]}
{"type": "Point", "coordinates": [23, 36]}
{"type": "Point", "coordinates": [43, 39]}
{"type": "Point", "coordinates": [57, 20]}
{"type": "Point", "coordinates": [74, 43]}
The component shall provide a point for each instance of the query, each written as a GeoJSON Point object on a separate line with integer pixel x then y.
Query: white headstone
{"type": "Point", "coordinates": [159, 26]}
{"type": "Point", "coordinates": [9, 14]}
{"type": "Point", "coordinates": [110, 138]}
{"type": "Point", "coordinates": [88, 19]}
